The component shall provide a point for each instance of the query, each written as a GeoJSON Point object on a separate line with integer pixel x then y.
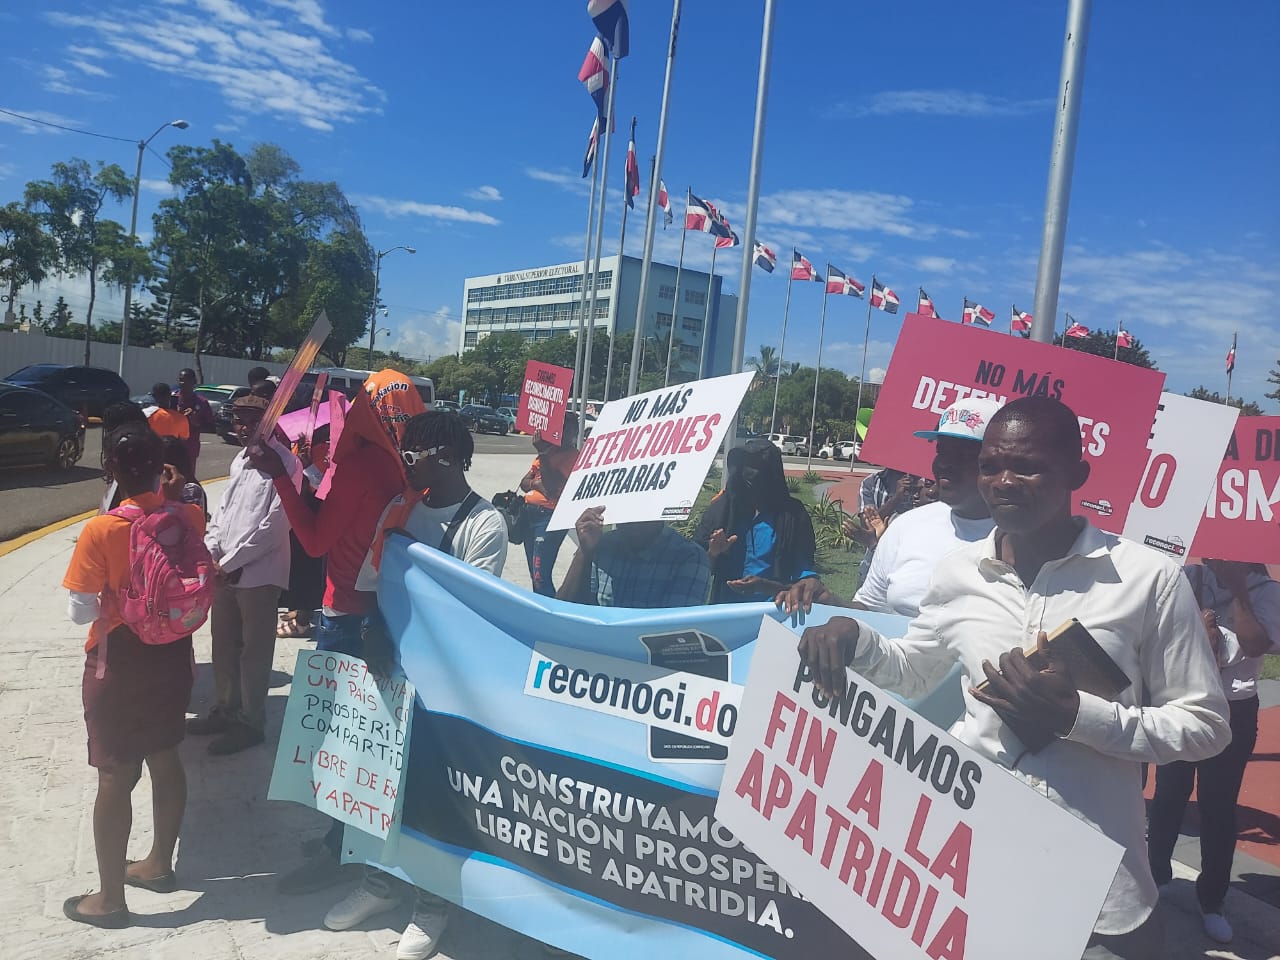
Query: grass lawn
{"type": "Point", "coordinates": [1271, 668]}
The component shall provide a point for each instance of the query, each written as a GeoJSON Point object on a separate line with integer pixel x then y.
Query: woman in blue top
{"type": "Point", "coordinates": [759, 537]}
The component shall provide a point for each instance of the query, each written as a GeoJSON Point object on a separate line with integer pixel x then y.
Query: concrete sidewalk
{"type": "Point", "coordinates": [234, 842]}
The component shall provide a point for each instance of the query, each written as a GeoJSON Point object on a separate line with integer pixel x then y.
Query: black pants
{"type": "Point", "coordinates": [1217, 782]}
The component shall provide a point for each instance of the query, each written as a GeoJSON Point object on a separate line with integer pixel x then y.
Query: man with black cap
{"type": "Point", "coordinates": [248, 538]}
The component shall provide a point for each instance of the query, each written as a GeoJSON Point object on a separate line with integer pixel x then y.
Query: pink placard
{"type": "Point", "coordinates": [544, 397]}
{"type": "Point", "coordinates": [936, 363]}
{"type": "Point", "coordinates": [1242, 519]}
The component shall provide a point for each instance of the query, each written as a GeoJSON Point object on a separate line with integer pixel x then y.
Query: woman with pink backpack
{"type": "Point", "coordinates": [143, 578]}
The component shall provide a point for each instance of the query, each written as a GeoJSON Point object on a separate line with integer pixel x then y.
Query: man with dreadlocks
{"type": "Point", "coordinates": [759, 537]}
{"type": "Point", "coordinates": [450, 516]}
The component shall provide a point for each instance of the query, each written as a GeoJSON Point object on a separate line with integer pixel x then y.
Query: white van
{"type": "Point", "coordinates": [349, 381]}
{"type": "Point", "coordinates": [784, 443]}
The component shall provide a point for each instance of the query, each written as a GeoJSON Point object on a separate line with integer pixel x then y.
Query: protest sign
{"type": "Point", "coordinates": [936, 363]}
{"type": "Point", "coordinates": [342, 744]}
{"type": "Point", "coordinates": [548, 788]}
{"type": "Point", "coordinates": [298, 366]}
{"type": "Point", "coordinates": [648, 454]}
{"type": "Point", "coordinates": [1242, 519]}
{"type": "Point", "coordinates": [902, 835]}
{"type": "Point", "coordinates": [1181, 470]}
{"type": "Point", "coordinates": [544, 397]}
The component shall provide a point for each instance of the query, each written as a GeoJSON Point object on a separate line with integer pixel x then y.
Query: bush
{"type": "Point", "coordinates": [812, 476]}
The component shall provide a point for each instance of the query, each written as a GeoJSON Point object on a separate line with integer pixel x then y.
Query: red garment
{"type": "Point", "coordinates": [343, 528]}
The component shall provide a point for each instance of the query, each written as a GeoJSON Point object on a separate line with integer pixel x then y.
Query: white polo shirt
{"type": "Point", "coordinates": [1141, 610]}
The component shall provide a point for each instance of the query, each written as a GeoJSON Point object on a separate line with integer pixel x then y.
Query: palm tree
{"type": "Point", "coordinates": [765, 365]}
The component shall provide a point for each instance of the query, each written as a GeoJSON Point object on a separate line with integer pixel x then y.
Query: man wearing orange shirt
{"type": "Point", "coordinates": [164, 420]}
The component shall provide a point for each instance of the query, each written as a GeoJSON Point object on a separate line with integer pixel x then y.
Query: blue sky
{"type": "Point", "coordinates": [908, 139]}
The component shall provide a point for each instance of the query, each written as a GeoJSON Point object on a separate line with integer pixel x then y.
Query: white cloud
{"type": "Point", "coordinates": [942, 103]}
{"type": "Point", "coordinates": [935, 265]}
{"type": "Point", "coordinates": [572, 182]}
{"type": "Point", "coordinates": [57, 80]}
{"type": "Point", "coordinates": [261, 65]}
{"type": "Point", "coordinates": [7, 170]}
{"type": "Point", "coordinates": [27, 127]}
{"type": "Point", "coordinates": [485, 192]}
{"type": "Point", "coordinates": [435, 211]}
{"type": "Point", "coordinates": [847, 210]}
{"type": "Point", "coordinates": [427, 335]}
{"type": "Point", "coordinates": [153, 185]}
{"type": "Point", "coordinates": [359, 35]}
{"type": "Point", "coordinates": [92, 69]}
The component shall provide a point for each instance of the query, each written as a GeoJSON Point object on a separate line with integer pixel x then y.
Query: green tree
{"type": "Point", "coordinates": [1246, 408]}
{"type": "Point", "coordinates": [27, 253]}
{"type": "Point", "coordinates": [61, 316]}
{"type": "Point", "coordinates": [1274, 378]}
{"type": "Point", "coordinates": [1102, 343]}
{"type": "Point", "coordinates": [69, 205]}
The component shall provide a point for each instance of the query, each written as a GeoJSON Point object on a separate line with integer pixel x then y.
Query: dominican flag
{"type": "Point", "coordinates": [882, 298]}
{"type": "Point", "coordinates": [802, 269]}
{"type": "Point", "coordinates": [765, 258]}
{"type": "Point", "coordinates": [590, 158]}
{"type": "Point", "coordinates": [610, 18]}
{"type": "Point", "coordinates": [1020, 321]}
{"type": "Point", "coordinates": [732, 240]}
{"type": "Point", "coordinates": [702, 215]}
{"type": "Point", "coordinates": [595, 76]}
{"type": "Point", "coordinates": [633, 169]}
{"type": "Point", "coordinates": [664, 201]}
{"type": "Point", "coordinates": [837, 282]}
{"type": "Point", "coordinates": [1077, 330]}
{"type": "Point", "coordinates": [924, 305]}
{"type": "Point", "coordinates": [1231, 355]}
{"type": "Point", "coordinates": [1124, 339]}
{"type": "Point", "coordinates": [976, 313]}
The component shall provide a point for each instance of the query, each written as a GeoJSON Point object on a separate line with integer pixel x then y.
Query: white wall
{"type": "Point", "coordinates": [143, 366]}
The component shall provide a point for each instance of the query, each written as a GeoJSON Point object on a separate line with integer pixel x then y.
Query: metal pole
{"type": "Point", "coordinates": [576, 393]}
{"type": "Point", "coordinates": [646, 263]}
{"type": "Point", "coordinates": [1116, 356]}
{"type": "Point", "coordinates": [1061, 161]}
{"type": "Point", "coordinates": [1232, 368]}
{"type": "Point", "coordinates": [133, 235]}
{"type": "Point", "coordinates": [777, 380]}
{"type": "Point", "coordinates": [595, 270]}
{"type": "Point", "coordinates": [675, 303]}
{"type": "Point", "coordinates": [822, 325]}
{"type": "Point", "coordinates": [706, 318]}
{"type": "Point", "coordinates": [613, 334]}
{"type": "Point", "coordinates": [373, 314]}
{"type": "Point", "coordinates": [866, 340]}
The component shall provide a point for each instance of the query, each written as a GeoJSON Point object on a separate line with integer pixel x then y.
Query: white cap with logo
{"type": "Point", "coordinates": [965, 419]}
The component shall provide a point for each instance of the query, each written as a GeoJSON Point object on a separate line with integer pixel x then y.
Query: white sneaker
{"type": "Point", "coordinates": [358, 906]}
{"type": "Point", "coordinates": [1217, 928]}
{"type": "Point", "coordinates": [422, 935]}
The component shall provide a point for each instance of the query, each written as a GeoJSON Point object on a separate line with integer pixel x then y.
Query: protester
{"type": "Point", "coordinates": [197, 411]}
{"type": "Point", "coordinates": [175, 456]}
{"type": "Point", "coordinates": [162, 418]}
{"type": "Point", "coordinates": [1039, 568]}
{"type": "Point", "coordinates": [881, 497]}
{"type": "Point", "coordinates": [115, 416]}
{"type": "Point", "coordinates": [368, 474]}
{"type": "Point", "coordinates": [453, 518]}
{"type": "Point", "coordinates": [135, 694]}
{"type": "Point", "coordinates": [256, 377]}
{"type": "Point", "coordinates": [644, 564]}
{"type": "Point", "coordinates": [758, 536]}
{"type": "Point", "coordinates": [542, 486]}
{"type": "Point", "coordinates": [917, 541]}
{"type": "Point", "coordinates": [1240, 605]}
{"type": "Point", "coordinates": [249, 540]}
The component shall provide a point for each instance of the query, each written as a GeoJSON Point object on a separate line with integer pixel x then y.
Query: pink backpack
{"type": "Point", "coordinates": [171, 575]}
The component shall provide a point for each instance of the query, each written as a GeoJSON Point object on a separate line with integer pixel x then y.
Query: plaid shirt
{"type": "Point", "coordinates": [670, 572]}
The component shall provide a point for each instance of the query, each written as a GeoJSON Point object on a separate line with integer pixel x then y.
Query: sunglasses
{"type": "Point", "coordinates": [412, 457]}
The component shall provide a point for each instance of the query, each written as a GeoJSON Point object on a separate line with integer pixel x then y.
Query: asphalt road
{"type": "Point", "coordinates": [35, 497]}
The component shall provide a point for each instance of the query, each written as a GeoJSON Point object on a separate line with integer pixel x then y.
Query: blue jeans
{"type": "Point", "coordinates": [541, 549]}
{"type": "Point", "coordinates": [340, 634]}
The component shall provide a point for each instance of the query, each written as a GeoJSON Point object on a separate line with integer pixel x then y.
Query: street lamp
{"type": "Point", "coordinates": [133, 230]}
{"type": "Point", "coordinates": [377, 282]}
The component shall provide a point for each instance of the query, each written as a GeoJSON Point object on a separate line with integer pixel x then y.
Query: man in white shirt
{"type": "Point", "coordinates": [988, 601]}
{"type": "Point", "coordinates": [249, 540]}
{"type": "Point", "coordinates": [451, 517]}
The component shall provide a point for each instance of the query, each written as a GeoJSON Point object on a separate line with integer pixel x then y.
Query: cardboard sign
{"type": "Point", "coordinates": [910, 841]}
{"type": "Point", "coordinates": [544, 397]}
{"type": "Point", "coordinates": [344, 741]}
{"type": "Point", "coordinates": [648, 454]}
{"type": "Point", "coordinates": [1180, 474]}
{"type": "Point", "coordinates": [936, 363]}
{"type": "Point", "coordinates": [1242, 519]}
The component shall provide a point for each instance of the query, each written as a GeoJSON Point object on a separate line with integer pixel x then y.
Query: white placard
{"type": "Point", "coordinates": [1187, 442]}
{"type": "Point", "coordinates": [915, 845]}
{"type": "Point", "coordinates": [647, 455]}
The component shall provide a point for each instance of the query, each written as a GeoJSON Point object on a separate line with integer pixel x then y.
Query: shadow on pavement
{"type": "Point", "coordinates": [26, 477]}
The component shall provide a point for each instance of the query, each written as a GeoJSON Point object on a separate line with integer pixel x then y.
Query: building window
{"type": "Point", "coordinates": [470, 340]}
{"type": "Point", "coordinates": [666, 292]}
{"type": "Point", "coordinates": [691, 324]}
{"type": "Point", "coordinates": [602, 309]}
{"type": "Point", "coordinates": [690, 352]}
{"type": "Point", "coordinates": [696, 296]}
{"type": "Point", "coordinates": [664, 320]}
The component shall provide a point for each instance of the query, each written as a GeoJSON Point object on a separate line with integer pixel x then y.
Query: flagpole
{"type": "Point", "coordinates": [585, 385]}
{"type": "Point", "coordinates": [646, 263]}
{"type": "Point", "coordinates": [586, 266]}
{"type": "Point", "coordinates": [622, 243]}
{"type": "Point", "coordinates": [1012, 309]}
{"type": "Point", "coordinates": [675, 298]}
{"type": "Point", "coordinates": [866, 341]}
{"type": "Point", "coordinates": [817, 374]}
{"type": "Point", "coordinates": [706, 319]}
{"type": "Point", "coordinates": [782, 348]}
{"type": "Point", "coordinates": [1232, 368]}
{"type": "Point", "coordinates": [1117, 353]}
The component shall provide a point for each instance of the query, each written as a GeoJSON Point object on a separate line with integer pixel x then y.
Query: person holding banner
{"type": "Point", "coordinates": [758, 536]}
{"type": "Point", "coordinates": [1240, 604]}
{"type": "Point", "coordinates": [1039, 568]}
{"type": "Point", "coordinates": [542, 487]}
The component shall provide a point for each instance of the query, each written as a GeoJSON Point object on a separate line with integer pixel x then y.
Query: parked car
{"type": "Point", "coordinates": [508, 414]}
{"type": "Point", "coordinates": [216, 394]}
{"type": "Point", "coordinates": [801, 444]}
{"type": "Point", "coordinates": [482, 419]}
{"type": "Point", "coordinates": [87, 389]}
{"type": "Point", "coordinates": [222, 423]}
{"type": "Point", "coordinates": [840, 450]}
{"type": "Point", "coordinates": [448, 405]}
{"type": "Point", "coordinates": [35, 428]}
{"type": "Point", "coordinates": [784, 443]}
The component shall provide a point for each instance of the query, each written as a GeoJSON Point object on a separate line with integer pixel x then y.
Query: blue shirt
{"type": "Point", "coordinates": [760, 541]}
